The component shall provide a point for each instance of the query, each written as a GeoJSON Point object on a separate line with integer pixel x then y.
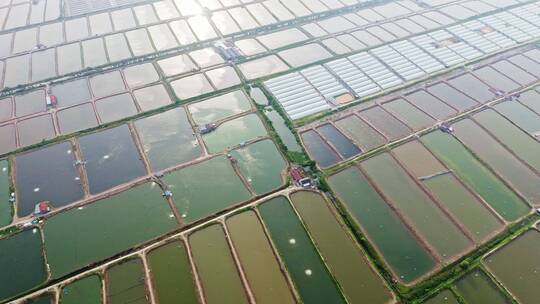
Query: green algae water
{"type": "Point", "coordinates": [214, 262]}
{"type": "Point", "coordinates": [21, 262]}
{"type": "Point", "coordinates": [359, 281]}
{"type": "Point", "coordinates": [234, 132]}
{"type": "Point", "coordinates": [399, 247]}
{"type": "Point", "coordinates": [521, 177]}
{"type": "Point", "coordinates": [258, 261]}
{"type": "Point", "coordinates": [171, 274]}
{"type": "Point", "coordinates": [83, 291]}
{"type": "Point", "coordinates": [477, 287]}
{"type": "Point", "coordinates": [520, 115]}
{"type": "Point", "coordinates": [448, 190]}
{"type": "Point", "coordinates": [286, 135]}
{"type": "Point", "coordinates": [516, 266]}
{"type": "Point", "coordinates": [444, 297]}
{"type": "Point", "coordinates": [418, 161]}
{"type": "Point", "coordinates": [126, 283]}
{"type": "Point", "coordinates": [478, 177]}
{"type": "Point", "coordinates": [480, 222]}
{"type": "Point", "coordinates": [6, 212]}
{"type": "Point", "coordinates": [262, 165]}
{"type": "Point", "coordinates": [521, 143]}
{"type": "Point", "coordinates": [82, 236]}
{"type": "Point", "coordinates": [430, 222]}
{"type": "Point", "coordinates": [203, 189]}
{"type": "Point", "coordinates": [305, 266]}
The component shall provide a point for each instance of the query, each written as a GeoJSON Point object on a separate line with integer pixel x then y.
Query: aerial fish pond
{"type": "Point", "coordinates": [306, 151]}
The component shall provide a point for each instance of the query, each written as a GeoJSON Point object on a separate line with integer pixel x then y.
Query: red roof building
{"type": "Point", "coordinates": [296, 174]}
{"type": "Point", "coordinates": [42, 208]}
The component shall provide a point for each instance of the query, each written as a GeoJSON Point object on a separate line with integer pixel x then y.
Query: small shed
{"type": "Point", "coordinates": [42, 208]}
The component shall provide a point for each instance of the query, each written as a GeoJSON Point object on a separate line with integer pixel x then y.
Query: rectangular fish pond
{"type": "Point", "coordinates": [168, 139]}
{"type": "Point", "coordinates": [221, 182]}
{"type": "Point", "coordinates": [216, 267]}
{"type": "Point", "coordinates": [478, 287]}
{"type": "Point", "coordinates": [105, 228]}
{"type": "Point", "coordinates": [428, 220]}
{"type": "Point", "coordinates": [171, 274]}
{"type": "Point", "coordinates": [82, 291]}
{"type": "Point", "coordinates": [22, 262]}
{"type": "Point", "coordinates": [126, 283]}
{"type": "Point", "coordinates": [47, 174]}
{"type": "Point", "coordinates": [354, 273]}
{"type": "Point", "coordinates": [516, 265]}
{"type": "Point", "coordinates": [398, 245]}
{"type": "Point", "coordinates": [304, 264]}
{"type": "Point", "coordinates": [461, 203]}
{"type": "Point", "coordinates": [262, 269]}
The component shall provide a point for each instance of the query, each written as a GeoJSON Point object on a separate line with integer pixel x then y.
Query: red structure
{"type": "Point", "coordinates": [296, 174]}
{"type": "Point", "coordinates": [42, 208]}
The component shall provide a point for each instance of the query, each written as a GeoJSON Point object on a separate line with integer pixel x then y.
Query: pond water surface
{"type": "Point", "coordinates": [341, 143]}
{"type": "Point", "coordinates": [83, 291]}
{"type": "Point", "coordinates": [283, 131]}
{"type": "Point", "coordinates": [401, 250]}
{"type": "Point", "coordinates": [511, 169]}
{"type": "Point", "coordinates": [234, 132]}
{"type": "Point", "coordinates": [516, 266]}
{"type": "Point", "coordinates": [385, 123]}
{"type": "Point", "coordinates": [203, 189]}
{"type": "Point", "coordinates": [48, 174]}
{"type": "Point", "coordinates": [111, 158]}
{"type": "Point", "coordinates": [22, 263]}
{"type": "Point", "coordinates": [476, 175]}
{"type": "Point", "coordinates": [262, 269]}
{"type": "Point", "coordinates": [444, 297]}
{"type": "Point", "coordinates": [218, 108]}
{"type": "Point", "coordinates": [521, 143]}
{"type": "Point", "coordinates": [105, 228]}
{"type": "Point", "coordinates": [216, 268]}
{"type": "Point", "coordinates": [319, 150]}
{"type": "Point", "coordinates": [171, 273]}
{"type": "Point", "coordinates": [360, 283]}
{"type": "Point", "coordinates": [303, 262]}
{"type": "Point", "coordinates": [126, 283]}
{"type": "Point", "coordinates": [448, 190]}
{"type": "Point", "coordinates": [407, 196]}
{"type": "Point", "coordinates": [168, 139]}
{"type": "Point", "coordinates": [262, 165]}
{"type": "Point", "coordinates": [364, 135]}
{"type": "Point", "coordinates": [77, 118]}
{"type": "Point", "coordinates": [405, 111]}
{"type": "Point", "coordinates": [477, 287]}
